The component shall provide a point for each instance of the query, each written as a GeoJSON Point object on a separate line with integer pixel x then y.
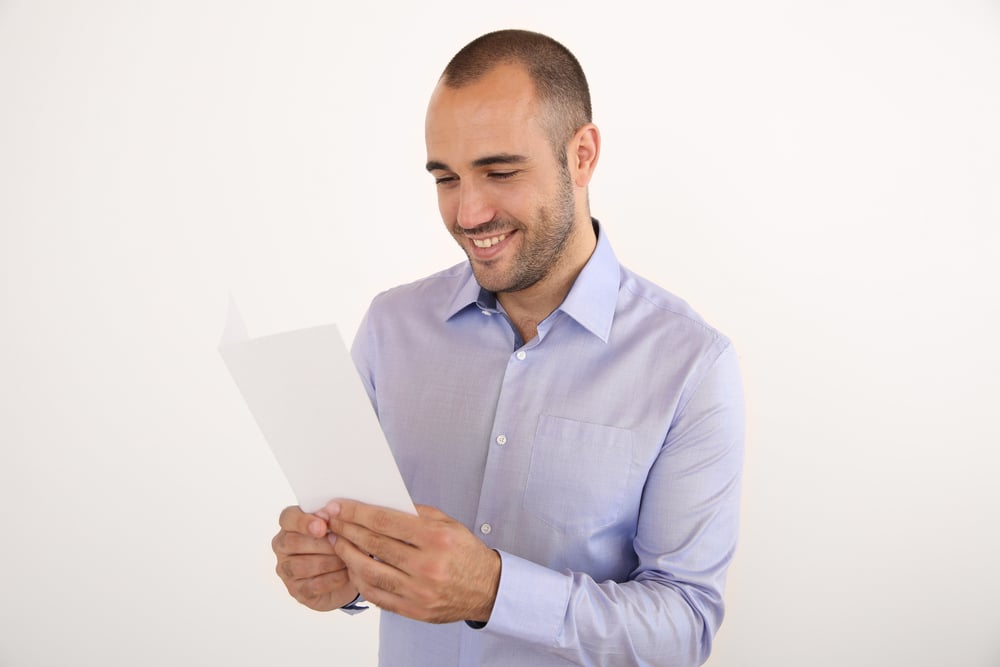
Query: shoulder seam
{"type": "Point", "coordinates": [715, 333]}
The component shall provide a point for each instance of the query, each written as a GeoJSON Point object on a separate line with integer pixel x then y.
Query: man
{"type": "Point", "coordinates": [572, 433]}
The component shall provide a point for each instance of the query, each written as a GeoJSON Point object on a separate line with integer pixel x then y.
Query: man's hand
{"type": "Point", "coordinates": [427, 567]}
{"type": "Point", "coordinates": [311, 571]}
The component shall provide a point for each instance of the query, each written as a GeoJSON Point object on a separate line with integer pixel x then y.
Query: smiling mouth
{"type": "Point", "coordinates": [489, 242]}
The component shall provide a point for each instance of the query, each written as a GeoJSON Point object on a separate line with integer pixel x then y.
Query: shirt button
{"type": "Point", "coordinates": [501, 439]}
{"type": "Point", "coordinates": [486, 312]}
{"type": "Point", "coordinates": [486, 529]}
{"type": "Point", "coordinates": [521, 354]}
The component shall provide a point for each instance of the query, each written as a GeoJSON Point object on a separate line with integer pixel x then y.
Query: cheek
{"type": "Point", "coordinates": [522, 204]}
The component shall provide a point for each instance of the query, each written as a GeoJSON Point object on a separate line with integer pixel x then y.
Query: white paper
{"type": "Point", "coordinates": [305, 393]}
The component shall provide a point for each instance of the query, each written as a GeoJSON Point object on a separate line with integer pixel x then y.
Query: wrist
{"type": "Point", "coordinates": [483, 611]}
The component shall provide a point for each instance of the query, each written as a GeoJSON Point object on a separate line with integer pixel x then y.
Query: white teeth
{"type": "Point", "coordinates": [488, 243]}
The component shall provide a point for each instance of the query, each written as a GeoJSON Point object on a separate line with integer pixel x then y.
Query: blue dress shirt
{"type": "Point", "coordinates": [601, 459]}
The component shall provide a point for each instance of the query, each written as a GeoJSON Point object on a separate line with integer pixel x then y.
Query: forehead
{"type": "Point", "coordinates": [498, 113]}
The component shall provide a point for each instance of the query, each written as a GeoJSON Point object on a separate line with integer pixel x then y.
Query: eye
{"type": "Point", "coordinates": [503, 175]}
{"type": "Point", "coordinates": [444, 180]}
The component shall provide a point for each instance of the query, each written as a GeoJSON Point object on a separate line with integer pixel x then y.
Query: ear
{"type": "Point", "coordinates": [582, 153]}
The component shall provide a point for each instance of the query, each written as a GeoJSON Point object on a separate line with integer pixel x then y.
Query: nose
{"type": "Point", "coordinates": [474, 207]}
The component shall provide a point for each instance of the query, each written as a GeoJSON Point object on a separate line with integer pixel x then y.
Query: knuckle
{"type": "Point", "coordinates": [310, 590]}
{"type": "Point", "coordinates": [376, 544]}
{"type": "Point", "coordinates": [338, 579]}
{"type": "Point", "coordinates": [381, 521]}
{"type": "Point", "coordinates": [287, 517]}
{"type": "Point", "coordinates": [289, 544]}
{"type": "Point", "coordinates": [305, 592]}
{"type": "Point", "coordinates": [442, 538]}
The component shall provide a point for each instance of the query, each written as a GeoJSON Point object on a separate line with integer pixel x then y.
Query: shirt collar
{"type": "Point", "coordinates": [594, 295]}
{"type": "Point", "coordinates": [591, 301]}
{"type": "Point", "coordinates": [469, 294]}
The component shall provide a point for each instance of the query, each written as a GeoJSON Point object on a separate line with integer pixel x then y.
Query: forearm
{"type": "Point", "coordinates": [647, 620]}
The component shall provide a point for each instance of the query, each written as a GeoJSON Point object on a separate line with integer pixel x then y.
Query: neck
{"type": "Point", "coordinates": [527, 307]}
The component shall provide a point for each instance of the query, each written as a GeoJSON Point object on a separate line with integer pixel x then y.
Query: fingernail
{"type": "Point", "coordinates": [317, 528]}
{"type": "Point", "coordinates": [331, 538]}
{"type": "Point", "coordinates": [333, 507]}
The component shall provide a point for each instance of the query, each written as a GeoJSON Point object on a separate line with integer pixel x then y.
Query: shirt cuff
{"type": "Point", "coordinates": [531, 601]}
{"type": "Point", "coordinates": [354, 606]}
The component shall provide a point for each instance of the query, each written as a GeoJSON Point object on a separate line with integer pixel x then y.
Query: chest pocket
{"type": "Point", "coordinates": [579, 473]}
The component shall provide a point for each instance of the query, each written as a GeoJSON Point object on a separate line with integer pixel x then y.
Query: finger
{"type": "Point", "coordinates": [294, 568]}
{"type": "Point", "coordinates": [393, 523]}
{"type": "Point", "coordinates": [316, 588]}
{"type": "Point", "coordinates": [431, 512]}
{"type": "Point", "coordinates": [379, 582]}
{"type": "Point", "coordinates": [293, 519]}
{"type": "Point", "coordinates": [289, 544]}
{"type": "Point", "coordinates": [387, 549]}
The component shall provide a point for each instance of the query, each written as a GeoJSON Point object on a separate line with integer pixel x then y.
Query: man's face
{"type": "Point", "coordinates": [502, 193]}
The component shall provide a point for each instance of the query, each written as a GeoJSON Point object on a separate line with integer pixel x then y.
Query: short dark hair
{"type": "Point", "coordinates": [556, 73]}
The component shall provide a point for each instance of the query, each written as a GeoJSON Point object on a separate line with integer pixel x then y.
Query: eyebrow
{"type": "Point", "coordinates": [499, 158]}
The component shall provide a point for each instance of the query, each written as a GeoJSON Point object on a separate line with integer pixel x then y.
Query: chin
{"type": "Point", "coordinates": [490, 281]}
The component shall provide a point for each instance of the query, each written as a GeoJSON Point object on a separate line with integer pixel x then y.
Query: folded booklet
{"type": "Point", "coordinates": [304, 392]}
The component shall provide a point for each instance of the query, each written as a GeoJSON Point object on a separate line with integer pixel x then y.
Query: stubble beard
{"type": "Point", "coordinates": [543, 244]}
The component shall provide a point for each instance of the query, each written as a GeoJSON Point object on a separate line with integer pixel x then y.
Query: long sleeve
{"type": "Point", "coordinates": [669, 609]}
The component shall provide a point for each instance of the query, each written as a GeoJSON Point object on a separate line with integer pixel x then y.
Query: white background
{"type": "Point", "coordinates": [819, 179]}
